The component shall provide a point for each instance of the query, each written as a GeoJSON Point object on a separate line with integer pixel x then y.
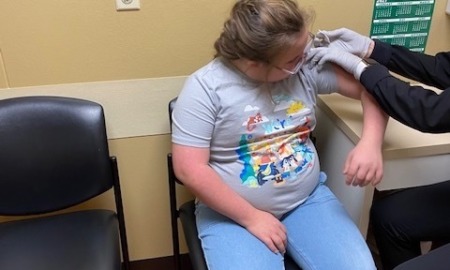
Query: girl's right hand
{"type": "Point", "coordinates": [269, 230]}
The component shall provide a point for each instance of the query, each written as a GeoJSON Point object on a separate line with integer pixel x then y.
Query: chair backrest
{"type": "Point", "coordinates": [54, 154]}
{"type": "Point", "coordinates": [172, 176]}
{"type": "Point", "coordinates": [172, 103]}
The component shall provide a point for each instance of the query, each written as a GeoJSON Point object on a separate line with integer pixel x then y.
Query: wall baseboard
{"type": "Point", "coordinates": [162, 263]}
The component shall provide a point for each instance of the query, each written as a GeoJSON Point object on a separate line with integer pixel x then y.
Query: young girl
{"type": "Point", "coordinates": [241, 144]}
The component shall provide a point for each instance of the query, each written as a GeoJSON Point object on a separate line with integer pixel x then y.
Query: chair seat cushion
{"type": "Point", "coordinates": [61, 242]}
{"type": "Point", "coordinates": [437, 259]}
{"type": "Point", "coordinates": [187, 217]}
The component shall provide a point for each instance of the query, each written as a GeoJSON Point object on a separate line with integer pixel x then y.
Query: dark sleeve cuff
{"type": "Point", "coordinates": [382, 52]}
{"type": "Point", "coordinates": [372, 75]}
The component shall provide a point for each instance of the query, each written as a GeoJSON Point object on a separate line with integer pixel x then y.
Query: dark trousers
{"type": "Point", "coordinates": [402, 219]}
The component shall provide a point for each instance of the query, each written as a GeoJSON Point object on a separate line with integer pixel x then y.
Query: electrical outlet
{"type": "Point", "coordinates": [128, 5]}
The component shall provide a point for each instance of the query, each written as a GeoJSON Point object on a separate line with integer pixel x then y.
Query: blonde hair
{"type": "Point", "coordinates": [259, 29]}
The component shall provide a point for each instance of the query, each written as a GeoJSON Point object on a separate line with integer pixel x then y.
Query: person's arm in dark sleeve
{"type": "Point", "coordinates": [430, 70]}
{"type": "Point", "coordinates": [413, 106]}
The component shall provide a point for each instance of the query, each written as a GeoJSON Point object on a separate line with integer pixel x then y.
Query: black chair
{"type": "Point", "coordinates": [53, 155]}
{"type": "Point", "coordinates": [436, 259]}
{"type": "Point", "coordinates": [186, 213]}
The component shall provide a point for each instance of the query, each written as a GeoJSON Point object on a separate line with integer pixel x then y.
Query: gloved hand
{"type": "Point", "coordinates": [346, 40]}
{"type": "Point", "coordinates": [351, 63]}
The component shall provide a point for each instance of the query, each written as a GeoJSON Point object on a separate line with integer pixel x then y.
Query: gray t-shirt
{"type": "Point", "coordinates": [258, 133]}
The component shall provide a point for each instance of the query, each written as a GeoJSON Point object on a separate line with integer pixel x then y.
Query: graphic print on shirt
{"type": "Point", "coordinates": [273, 147]}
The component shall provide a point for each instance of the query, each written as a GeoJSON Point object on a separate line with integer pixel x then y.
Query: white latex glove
{"type": "Point", "coordinates": [351, 63]}
{"type": "Point", "coordinates": [346, 40]}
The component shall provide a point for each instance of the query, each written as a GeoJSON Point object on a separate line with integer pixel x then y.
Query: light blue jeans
{"type": "Point", "coordinates": [321, 236]}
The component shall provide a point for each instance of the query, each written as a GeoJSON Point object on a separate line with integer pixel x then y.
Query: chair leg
{"type": "Point", "coordinates": [120, 215]}
{"type": "Point", "coordinates": [176, 246]}
{"type": "Point", "coordinates": [174, 214]}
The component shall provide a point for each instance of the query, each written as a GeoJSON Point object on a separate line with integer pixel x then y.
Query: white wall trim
{"type": "Point", "coordinates": [133, 108]}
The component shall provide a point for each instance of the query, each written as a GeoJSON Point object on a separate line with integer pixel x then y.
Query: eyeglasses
{"type": "Point", "coordinates": [301, 61]}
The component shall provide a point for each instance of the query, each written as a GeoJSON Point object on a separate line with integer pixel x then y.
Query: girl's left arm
{"type": "Point", "coordinates": [364, 163]}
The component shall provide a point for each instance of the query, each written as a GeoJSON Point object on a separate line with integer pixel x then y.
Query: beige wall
{"type": "Point", "coordinates": [53, 41]}
{"type": "Point", "coordinates": [131, 62]}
